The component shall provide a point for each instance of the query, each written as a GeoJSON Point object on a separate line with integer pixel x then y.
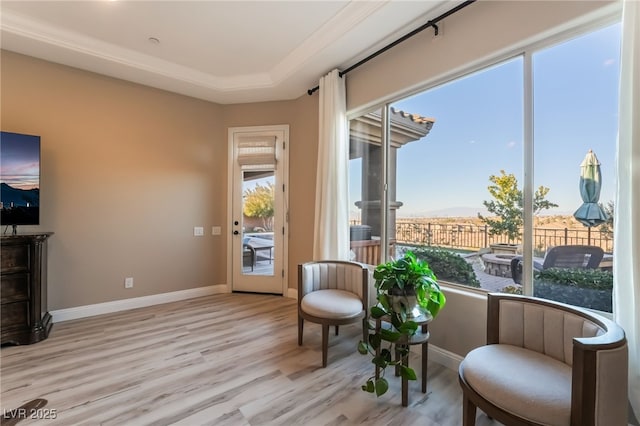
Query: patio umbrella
{"type": "Point", "coordinates": [590, 213]}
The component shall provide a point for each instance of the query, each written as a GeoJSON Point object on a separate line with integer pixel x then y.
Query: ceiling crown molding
{"type": "Point", "coordinates": [330, 32]}
{"type": "Point", "coordinates": [287, 61]}
{"type": "Point", "coordinates": [31, 29]}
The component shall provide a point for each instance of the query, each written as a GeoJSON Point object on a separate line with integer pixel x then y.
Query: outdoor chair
{"type": "Point", "coordinates": [332, 293]}
{"type": "Point", "coordinates": [585, 257]}
{"type": "Point", "coordinates": [546, 363]}
{"type": "Point", "coordinates": [248, 256]}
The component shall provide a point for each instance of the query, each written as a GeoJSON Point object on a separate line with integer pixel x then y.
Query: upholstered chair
{"type": "Point", "coordinates": [332, 293]}
{"type": "Point", "coordinates": [546, 363]}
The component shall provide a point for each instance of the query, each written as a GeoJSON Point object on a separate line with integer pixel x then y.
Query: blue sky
{"type": "Point", "coordinates": [478, 128]}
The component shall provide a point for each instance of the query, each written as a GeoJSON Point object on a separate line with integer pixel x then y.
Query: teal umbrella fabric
{"type": "Point", "coordinates": [590, 213]}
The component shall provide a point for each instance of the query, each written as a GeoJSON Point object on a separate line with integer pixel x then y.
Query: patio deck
{"type": "Point", "coordinates": [487, 281]}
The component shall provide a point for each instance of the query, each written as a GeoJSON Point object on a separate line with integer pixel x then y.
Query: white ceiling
{"type": "Point", "coordinates": [221, 51]}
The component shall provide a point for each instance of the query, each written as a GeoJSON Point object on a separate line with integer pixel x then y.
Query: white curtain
{"type": "Point", "coordinates": [331, 228]}
{"type": "Point", "coordinates": [626, 293]}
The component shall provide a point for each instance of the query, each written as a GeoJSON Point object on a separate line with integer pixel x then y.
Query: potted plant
{"type": "Point", "coordinates": [407, 293]}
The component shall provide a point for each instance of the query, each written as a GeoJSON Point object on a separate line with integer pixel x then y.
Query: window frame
{"type": "Point", "coordinates": [525, 49]}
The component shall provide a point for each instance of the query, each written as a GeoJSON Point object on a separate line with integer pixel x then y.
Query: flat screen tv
{"type": "Point", "coordinates": [19, 179]}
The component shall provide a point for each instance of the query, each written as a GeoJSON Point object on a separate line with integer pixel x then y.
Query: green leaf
{"type": "Point", "coordinates": [437, 302]}
{"type": "Point", "coordinates": [384, 301]}
{"type": "Point", "coordinates": [397, 319]}
{"type": "Point", "coordinates": [369, 387]}
{"type": "Point", "coordinates": [375, 340]}
{"type": "Point", "coordinates": [402, 350]}
{"type": "Point", "coordinates": [408, 328]}
{"type": "Point", "coordinates": [363, 348]}
{"type": "Point", "coordinates": [389, 336]}
{"type": "Point", "coordinates": [421, 296]}
{"type": "Point", "coordinates": [403, 315]}
{"type": "Point", "coordinates": [379, 361]}
{"type": "Point", "coordinates": [386, 355]}
{"type": "Point", "coordinates": [378, 274]}
{"type": "Point", "coordinates": [377, 312]}
{"type": "Point", "coordinates": [407, 373]}
{"type": "Point", "coordinates": [381, 386]}
{"type": "Point", "coordinates": [387, 284]}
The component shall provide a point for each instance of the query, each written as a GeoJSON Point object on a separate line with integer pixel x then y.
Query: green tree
{"type": "Point", "coordinates": [507, 206]}
{"type": "Point", "coordinates": [258, 202]}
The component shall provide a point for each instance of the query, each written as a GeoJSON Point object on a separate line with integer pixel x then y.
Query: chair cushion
{"type": "Point", "coordinates": [523, 382]}
{"type": "Point", "coordinates": [334, 304]}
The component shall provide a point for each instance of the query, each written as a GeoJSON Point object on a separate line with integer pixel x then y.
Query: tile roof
{"type": "Point", "coordinates": [413, 117]}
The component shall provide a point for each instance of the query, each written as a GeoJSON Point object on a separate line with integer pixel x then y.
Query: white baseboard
{"type": "Point", "coordinates": [441, 356]}
{"type": "Point", "coordinates": [133, 303]}
{"type": "Point", "coordinates": [444, 357]}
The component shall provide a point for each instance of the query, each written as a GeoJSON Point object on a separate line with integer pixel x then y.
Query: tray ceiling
{"type": "Point", "coordinates": [221, 51]}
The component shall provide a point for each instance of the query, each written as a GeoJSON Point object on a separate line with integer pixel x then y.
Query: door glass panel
{"type": "Point", "coordinates": [258, 208]}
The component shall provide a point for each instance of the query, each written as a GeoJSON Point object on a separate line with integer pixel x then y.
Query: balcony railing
{"type": "Point", "coordinates": [475, 237]}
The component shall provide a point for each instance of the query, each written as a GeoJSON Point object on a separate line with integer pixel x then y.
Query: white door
{"type": "Point", "coordinates": [258, 190]}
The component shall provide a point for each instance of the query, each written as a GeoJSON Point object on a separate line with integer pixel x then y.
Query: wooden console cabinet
{"type": "Point", "coordinates": [23, 288]}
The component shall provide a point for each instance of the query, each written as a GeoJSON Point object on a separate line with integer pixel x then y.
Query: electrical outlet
{"type": "Point", "coordinates": [216, 230]}
{"type": "Point", "coordinates": [198, 231]}
{"type": "Point", "coordinates": [128, 282]}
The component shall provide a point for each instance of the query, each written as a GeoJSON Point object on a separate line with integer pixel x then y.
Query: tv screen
{"type": "Point", "coordinates": [20, 179]}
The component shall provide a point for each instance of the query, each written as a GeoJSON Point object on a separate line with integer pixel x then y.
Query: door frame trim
{"type": "Point", "coordinates": [285, 164]}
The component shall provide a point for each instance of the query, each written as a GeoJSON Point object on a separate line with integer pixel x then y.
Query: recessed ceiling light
{"type": "Point", "coordinates": [154, 40]}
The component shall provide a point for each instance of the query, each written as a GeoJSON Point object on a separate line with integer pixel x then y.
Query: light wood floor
{"type": "Point", "coordinates": [229, 359]}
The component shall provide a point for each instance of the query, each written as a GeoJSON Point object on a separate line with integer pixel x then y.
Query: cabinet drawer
{"type": "Point", "coordinates": [14, 258]}
{"type": "Point", "coordinates": [15, 287]}
{"type": "Point", "coordinates": [15, 315]}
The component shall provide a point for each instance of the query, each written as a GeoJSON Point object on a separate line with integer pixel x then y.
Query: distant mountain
{"type": "Point", "coordinates": [19, 197]}
{"type": "Point", "coordinates": [448, 212]}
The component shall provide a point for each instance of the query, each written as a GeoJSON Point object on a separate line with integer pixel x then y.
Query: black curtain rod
{"type": "Point", "coordinates": [431, 23]}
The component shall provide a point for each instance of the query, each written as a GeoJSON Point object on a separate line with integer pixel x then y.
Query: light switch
{"type": "Point", "coordinates": [216, 230]}
{"type": "Point", "coordinates": [198, 231]}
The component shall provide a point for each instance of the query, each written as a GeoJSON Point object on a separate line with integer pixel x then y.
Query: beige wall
{"type": "Point", "coordinates": [128, 171]}
{"type": "Point", "coordinates": [469, 37]}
